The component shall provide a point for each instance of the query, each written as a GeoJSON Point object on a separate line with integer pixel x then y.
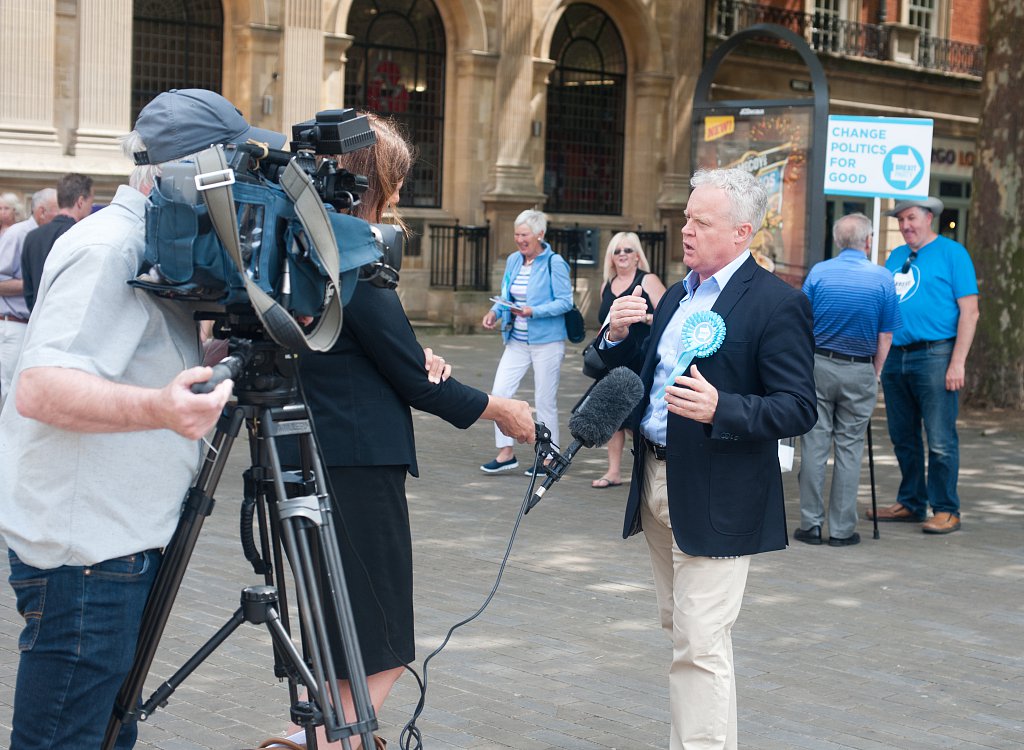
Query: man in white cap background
{"type": "Point", "coordinates": [925, 370]}
{"type": "Point", "coordinates": [98, 442]}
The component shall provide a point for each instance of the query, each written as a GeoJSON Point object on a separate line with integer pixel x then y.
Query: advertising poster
{"type": "Point", "coordinates": [773, 143]}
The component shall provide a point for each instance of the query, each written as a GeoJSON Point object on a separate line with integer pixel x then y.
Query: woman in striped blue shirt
{"type": "Point", "coordinates": [536, 293]}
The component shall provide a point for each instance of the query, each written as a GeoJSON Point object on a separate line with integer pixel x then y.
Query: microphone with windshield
{"type": "Point", "coordinates": [599, 416]}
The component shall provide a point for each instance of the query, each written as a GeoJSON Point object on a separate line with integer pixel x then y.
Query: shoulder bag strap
{"type": "Point", "coordinates": [212, 182]}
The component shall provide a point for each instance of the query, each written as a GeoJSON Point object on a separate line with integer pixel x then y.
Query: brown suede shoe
{"type": "Point", "coordinates": [941, 523]}
{"type": "Point", "coordinates": [895, 512]}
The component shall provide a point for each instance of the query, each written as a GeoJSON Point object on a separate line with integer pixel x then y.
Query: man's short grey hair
{"type": "Point", "coordinates": [748, 199]}
{"type": "Point", "coordinates": [46, 195]}
{"type": "Point", "coordinates": [851, 230]}
{"type": "Point", "coordinates": [144, 175]}
{"type": "Point", "coordinates": [537, 221]}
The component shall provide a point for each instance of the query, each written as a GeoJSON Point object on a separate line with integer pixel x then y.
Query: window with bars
{"type": "Point", "coordinates": [586, 113]}
{"type": "Point", "coordinates": [826, 26]}
{"type": "Point", "coordinates": [175, 44]}
{"type": "Point", "coordinates": [921, 13]}
{"type": "Point", "coordinates": [396, 68]}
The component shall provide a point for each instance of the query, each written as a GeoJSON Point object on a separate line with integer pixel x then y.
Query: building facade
{"type": "Point", "coordinates": [582, 109]}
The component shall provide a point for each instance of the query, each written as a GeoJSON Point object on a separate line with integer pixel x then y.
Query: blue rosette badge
{"type": "Point", "coordinates": [703, 334]}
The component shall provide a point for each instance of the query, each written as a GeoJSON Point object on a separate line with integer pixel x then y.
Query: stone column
{"type": "Point", "coordinates": [512, 174]}
{"type": "Point", "coordinates": [302, 58]}
{"type": "Point", "coordinates": [26, 86]}
{"type": "Point", "coordinates": [104, 76]}
{"type": "Point", "coordinates": [645, 156]}
{"type": "Point", "coordinates": [336, 48]}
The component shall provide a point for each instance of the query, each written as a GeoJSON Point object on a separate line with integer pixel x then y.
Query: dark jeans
{"type": "Point", "coordinates": [916, 395]}
{"type": "Point", "coordinates": [81, 625]}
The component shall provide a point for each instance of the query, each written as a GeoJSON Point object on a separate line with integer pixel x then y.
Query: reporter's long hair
{"type": "Point", "coordinates": [385, 164]}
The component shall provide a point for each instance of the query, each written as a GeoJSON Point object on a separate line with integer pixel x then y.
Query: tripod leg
{"type": "Point", "coordinates": [198, 504]}
{"type": "Point", "coordinates": [312, 547]}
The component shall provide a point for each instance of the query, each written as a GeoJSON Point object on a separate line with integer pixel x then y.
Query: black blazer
{"type": "Point", "coordinates": [724, 482]}
{"type": "Point", "coordinates": [360, 393]}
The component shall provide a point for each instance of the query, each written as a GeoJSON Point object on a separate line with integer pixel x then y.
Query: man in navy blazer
{"type": "Point", "coordinates": [706, 488]}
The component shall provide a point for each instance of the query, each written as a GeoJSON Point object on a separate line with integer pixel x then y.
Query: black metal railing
{"type": "Point", "coordinates": [829, 34]}
{"type": "Point", "coordinates": [580, 246]}
{"type": "Point", "coordinates": [460, 257]}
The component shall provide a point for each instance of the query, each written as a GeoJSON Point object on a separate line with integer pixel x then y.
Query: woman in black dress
{"type": "Point", "coordinates": [359, 395]}
{"type": "Point", "coordinates": [625, 267]}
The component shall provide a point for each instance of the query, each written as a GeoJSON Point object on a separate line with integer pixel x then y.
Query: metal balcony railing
{"type": "Point", "coordinates": [827, 34]}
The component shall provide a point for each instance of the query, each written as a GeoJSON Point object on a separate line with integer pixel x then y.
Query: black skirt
{"type": "Point", "coordinates": [371, 520]}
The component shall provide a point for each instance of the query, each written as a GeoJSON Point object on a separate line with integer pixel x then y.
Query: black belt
{"type": "Point", "coordinates": [843, 357]}
{"type": "Point", "coordinates": [657, 449]}
{"type": "Point", "coordinates": [916, 345]}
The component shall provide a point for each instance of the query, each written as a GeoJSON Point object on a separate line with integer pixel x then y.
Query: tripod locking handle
{"type": "Point", "coordinates": [229, 367]}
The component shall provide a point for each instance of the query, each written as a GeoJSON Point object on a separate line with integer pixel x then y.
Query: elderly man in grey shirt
{"type": "Point", "coordinates": [98, 443]}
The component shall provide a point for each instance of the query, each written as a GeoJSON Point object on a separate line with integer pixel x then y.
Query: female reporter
{"type": "Point", "coordinates": [359, 395]}
{"type": "Point", "coordinates": [625, 266]}
{"type": "Point", "coordinates": [536, 294]}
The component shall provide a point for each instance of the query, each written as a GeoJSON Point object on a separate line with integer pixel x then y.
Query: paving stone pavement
{"type": "Point", "coordinates": [909, 641]}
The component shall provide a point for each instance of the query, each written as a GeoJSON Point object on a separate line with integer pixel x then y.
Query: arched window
{"type": "Point", "coordinates": [176, 44]}
{"type": "Point", "coordinates": [586, 114]}
{"type": "Point", "coordinates": [396, 67]}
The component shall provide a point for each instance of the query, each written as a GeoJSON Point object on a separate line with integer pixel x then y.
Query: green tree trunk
{"type": "Point", "coordinates": [995, 368]}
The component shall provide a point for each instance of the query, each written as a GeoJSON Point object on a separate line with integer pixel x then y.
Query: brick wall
{"type": "Point", "coordinates": [969, 21]}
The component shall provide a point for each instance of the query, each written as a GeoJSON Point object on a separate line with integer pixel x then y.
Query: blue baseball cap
{"type": "Point", "coordinates": [181, 122]}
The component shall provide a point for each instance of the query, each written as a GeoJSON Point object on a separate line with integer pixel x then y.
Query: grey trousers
{"type": "Point", "coordinates": [847, 392]}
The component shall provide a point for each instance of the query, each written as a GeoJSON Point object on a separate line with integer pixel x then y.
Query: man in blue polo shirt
{"type": "Point", "coordinates": [855, 312]}
{"type": "Point", "coordinates": [938, 295]}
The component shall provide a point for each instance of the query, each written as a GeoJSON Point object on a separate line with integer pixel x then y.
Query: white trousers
{"type": "Point", "coordinates": [12, 335]}
{"type": "Point", "coordinates": [546, 360]}
{"type": "Point", "coordinates": [699, 599]}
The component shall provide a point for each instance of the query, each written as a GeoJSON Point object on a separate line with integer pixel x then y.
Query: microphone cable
{"type": "Point", "coordinates": [411, 737]}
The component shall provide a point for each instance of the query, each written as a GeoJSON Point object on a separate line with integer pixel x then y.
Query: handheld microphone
{"type": "Point", "coordinates": [598, 416]}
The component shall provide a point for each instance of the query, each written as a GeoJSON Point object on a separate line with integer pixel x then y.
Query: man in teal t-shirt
{"type": "Point", "coordinates": [938, 294]}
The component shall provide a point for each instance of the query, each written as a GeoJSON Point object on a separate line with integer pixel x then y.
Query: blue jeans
{"type": "Point", "coordinates": [916, 395]}
{"type": "Point", "coordinates": [81, 625]}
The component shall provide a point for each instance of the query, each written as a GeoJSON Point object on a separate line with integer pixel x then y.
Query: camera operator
{"type": "Point", "coordinates": [360, 394]}
{"type": "Point", "coordinates": [98, 443]}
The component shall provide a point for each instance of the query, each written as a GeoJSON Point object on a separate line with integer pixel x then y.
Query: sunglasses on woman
{"type": "Point", "coordinates": [621, 250]}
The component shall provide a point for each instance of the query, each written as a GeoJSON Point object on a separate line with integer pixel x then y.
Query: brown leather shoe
{"type": "Point", "coordinates": [895, 512]}
{"type": "Point", "coordinates": [941, 523]}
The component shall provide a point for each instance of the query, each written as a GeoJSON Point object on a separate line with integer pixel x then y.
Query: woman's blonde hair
{"type": "Point", "coordinates": [624, 239]}
{"type": "Point", "coordinates": [385, 164]}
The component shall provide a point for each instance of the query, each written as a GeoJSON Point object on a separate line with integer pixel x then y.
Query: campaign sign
{"type": "Point", "coordinates": [878, 157]}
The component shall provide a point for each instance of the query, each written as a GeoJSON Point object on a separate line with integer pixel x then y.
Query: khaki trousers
{"type": "Point", "coordinates": [699, 599]}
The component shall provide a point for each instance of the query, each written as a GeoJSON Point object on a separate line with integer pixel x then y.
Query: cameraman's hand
{"type": "Point", "coordinates": [190, 414]}
{"type": "Point", "coordinates": [437, 369]}
{"type": "Point", "coordinates": [514, 418]}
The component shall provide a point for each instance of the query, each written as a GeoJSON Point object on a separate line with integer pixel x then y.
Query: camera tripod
{"type": "Point", "coordinates": [296, 524]}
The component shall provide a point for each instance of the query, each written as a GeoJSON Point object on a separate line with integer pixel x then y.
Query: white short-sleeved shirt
{"type": "Point", "coordinates": [69, 498]}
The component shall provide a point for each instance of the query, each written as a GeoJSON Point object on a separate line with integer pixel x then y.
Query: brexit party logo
{"type": "Point", "coordinates": [903, 167]}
